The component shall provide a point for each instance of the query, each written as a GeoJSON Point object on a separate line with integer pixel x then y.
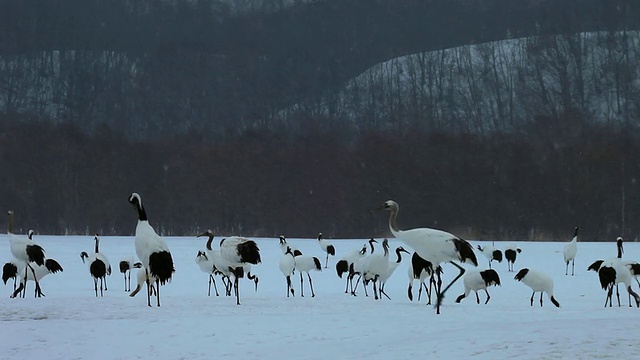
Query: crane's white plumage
{"type": "Point", "coordinates": [357, 268]}
{"type": "Point", "coordinates": [141, 279]}
{"type": "Point", "coordinates": [391, 268]}
{"type": "Point", "coordinates": [221, 266]}
{"type": "Point", "coordinates": [538, 282]}
{"type": "Point", "coordinates": [151, 249]}
{"type": "Point", "coordinates": [205, 263]}
{"type": "Point", "coordinates": [374, 266]}
{"type": "Point", "coordinates": [569, 253]}
{"type": "Point", "coordinates": [434, 245]}
{"type": "Point", "coordinates": [305, 264]}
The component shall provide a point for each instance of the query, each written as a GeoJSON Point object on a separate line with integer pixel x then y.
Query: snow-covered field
{"type": "Point", "coordinates": [71, 323]}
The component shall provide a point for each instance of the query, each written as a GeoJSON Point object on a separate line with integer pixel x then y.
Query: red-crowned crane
{"type": "Point", "coordinates": [491, 253]}
{"type": "Point", "coordinates": [391, 268]}
{"type": "Point", "coordinates": [125, 266]}
{"type": "Point", "coordinates": [51, 266]}
{"type": "Point", "coordinates": [305, 264]}
{"type": "Point", "coordinates": [236, 253]}
{"type": "Point", "coordinates": [287, 265]}
{"type": "Point", "coordinates": [421, 269]}
{"type": "Point", "coordinates": [25, 250]}
{"type": "Point", "coordinates": [614, 271]}
{"type": "Point", "coordinates": [511, 253]}
{"type": "Point", "coordinates": [10, 271]}
{"type": "Point", "coordinates": [220, 266]}
{"type": "Point", "coordinates": [152, 250]}
{"type": "Point", "coordinates": [205, 263]}
{"type": "Point", "coordinates": [327, 247]}
{"type": "Point", "coordinates": [538, 282]}
{"type": "Point", "coordinates": [234, 259]}
{"type": "Point", "coordinates": [99, 266]}
{"type": "Point", "coordinates": [375, 265]}
{"type": "Point", "coordinates": [434, 245]}
{"type": "Point", "coordinates": [284, 245]}
{"type": "Point", "coordinates": [343, 265]}
{"type": "Point", "coordinates": [477, 280]}
{"type": "Point", "coordinates": [357, 268]}
{"type": "Point", "coordinates": [569, 253]}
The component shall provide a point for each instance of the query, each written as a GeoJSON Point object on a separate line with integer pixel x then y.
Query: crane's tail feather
{"type": "Point", "coordinates": [161, 266]}
{"type": "Point", "coordinates": [53, 266]}
{"type": "Point", "coordinates": [465, 251]}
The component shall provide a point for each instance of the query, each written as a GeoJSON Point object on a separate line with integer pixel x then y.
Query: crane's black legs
{"type": "Point", "coordinates": [442, 292]}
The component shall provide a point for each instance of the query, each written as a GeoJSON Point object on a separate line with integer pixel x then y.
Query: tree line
{"type": "Point", "coordinates": [59, 180]}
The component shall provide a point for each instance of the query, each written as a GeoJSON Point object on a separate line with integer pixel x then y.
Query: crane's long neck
{"type": "Point", "coordinates": [142, 214]}
{"type": "Point", "coordinates": [399, 259]}
{"type": "Point", "coordinates": [209, 243]}
{"type": "Point", "coordinates": [393, 225]}
{"type": "Point", "coordinates": [97, 244]}
{"type": "Point", "coordinates": [620, 251]}
{"type": "Point", "coordinates": [10, 222]}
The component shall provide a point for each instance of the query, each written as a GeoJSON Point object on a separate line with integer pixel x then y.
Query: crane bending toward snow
{"type": "Point", "coordinates": [491, 253]}
{"type": "Point", "coordinates": [434, 245]}
{"type": "Point", "coordinates": [152, 250]}
{"type": "Point", "coordinates": [479, 280]}
{"type": "Point", "coordinates": [538, 282]}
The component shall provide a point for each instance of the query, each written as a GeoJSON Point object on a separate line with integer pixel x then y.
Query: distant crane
{"type": "Point", "coordinates": [99, 266]}
{"type": "Point", "coordinates": [327, 247]}
{"type": "Point", "coordinates": [569, 253]}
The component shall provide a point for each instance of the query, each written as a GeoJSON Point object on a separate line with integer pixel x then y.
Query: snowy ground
{"type": "Point", "coordinates": [71, 323]}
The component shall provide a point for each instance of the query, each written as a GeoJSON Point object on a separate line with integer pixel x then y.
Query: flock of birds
{"type": "Point", "coordinates": [234, 257]}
